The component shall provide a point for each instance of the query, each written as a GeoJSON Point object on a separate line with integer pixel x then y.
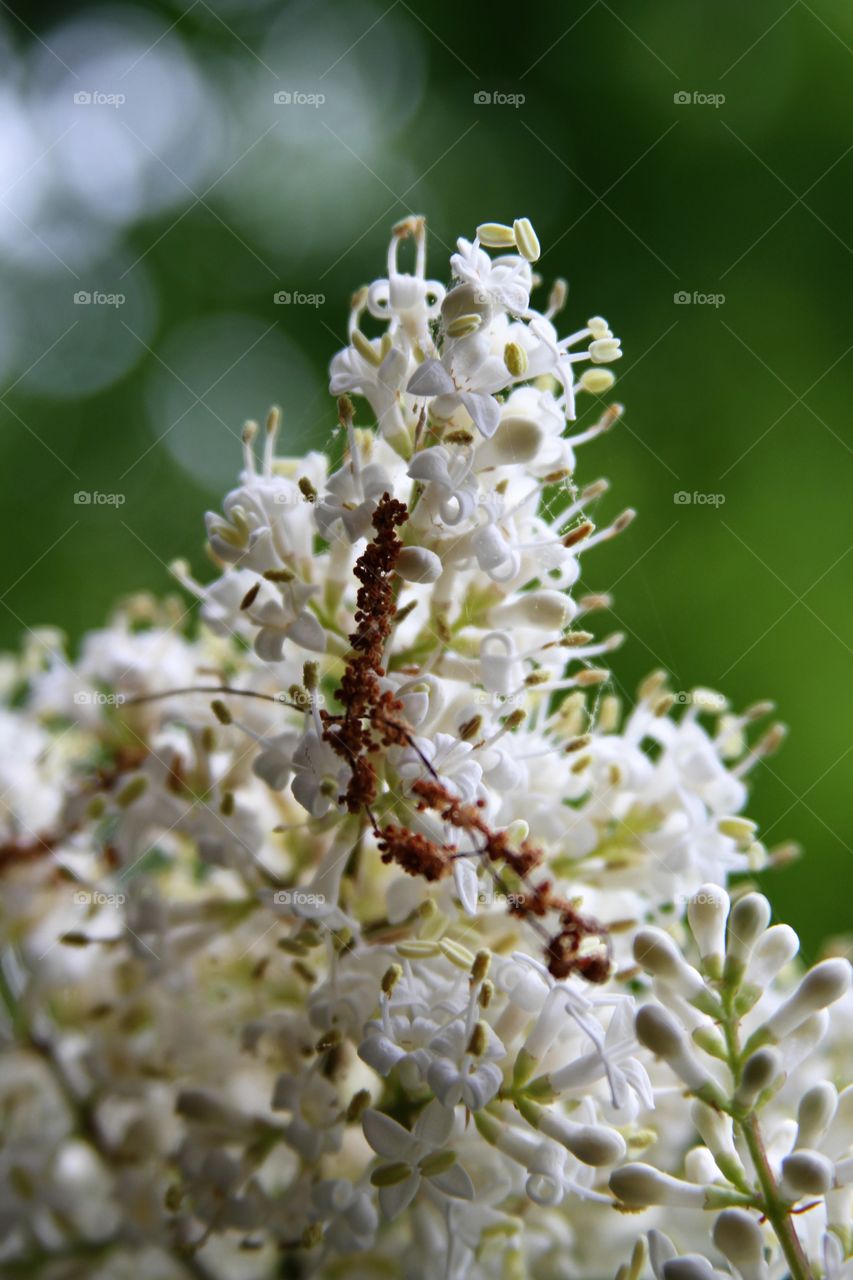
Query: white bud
{"type": "Point", "coordinates": [707, 912]}
{"type": "Point", "coordinates": [822, 986]}
{"type": "Point", "coordinates": [806, 1173]}
{"type": "Point", "coordinates": [516, 441]}
{"type": "Point", "coordinates": [796, 1047]}
{"type": "Point", "coordinates": [592, 1144]}
{"type": "Point", "coordinates": [759, 1072]}
{"type": "Point", "coordinates": [545, 610]}
{"type": "Point", "coordinates": [714, 1128]}
{"type": "Point", "coordinates": [417, 564]}
{"type": "Point", "coordinates": [815, 1113]}
{"type": "Point", "coordinates": [639, 1185]}
{"type": "Point", "coordinates": [740, 1239]}
{"type": "Point", "coordinates": [692, 1266]}
{"type": "Point", "coordinates": [748, 919]}
{"type": "Point", "coordinates": [659, 954]}
{"type": "Point", "coordinates": [774, 949]}
{"type": "Point", "coordinates": [700, 1166]}
{"type": "Point", "coordinates": [659, 1032]}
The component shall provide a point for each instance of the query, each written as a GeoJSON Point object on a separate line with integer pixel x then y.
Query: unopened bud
{"type": "Point", "coordinates": [822, 986]}
{"type": "Point", "coordinates": [707, 912]}
{"type": "Point", "coordinates": [815, 1113]}
{"type": "Point", "coordinates": [417, 564]}
{"type": "Point", "coordinates": [740, 1239]}
{"type": "Point", "coordinates": [662, 1035]}
{"type": "Point", "coordinates": [806, 1173]}
{"type": "Point", "coordinates": [759, 1072]}
{"type": "Point", "coordinates": [639, 1185]}
{"type": "Point", "coordinates": [656, 952]}
{"type": "Point", "coordinates": [748, 919]}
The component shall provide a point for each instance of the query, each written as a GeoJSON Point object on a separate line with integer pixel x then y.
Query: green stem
{"type": "Point", "coordinates": [775, 1208]}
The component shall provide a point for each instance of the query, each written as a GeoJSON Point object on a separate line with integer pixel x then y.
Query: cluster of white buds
{"type": "Point", "coordinates": [322, 917]}
{"type": "Point", "coordinates": [741, 1033]}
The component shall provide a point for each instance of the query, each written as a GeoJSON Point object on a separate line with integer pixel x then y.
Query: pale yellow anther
{"type": "Point", "coordinates": [526, 240]}
{"type": "Point", "coordinates": [515, 359]}
{"type": "Point", "coordinates": [365, 348]}
{"type": "Point", "coordinates": [496, 235]}
{"type": "Point", "coordinates": [597, 381]}
{"type": "Point", "coordinates": [462, 326]}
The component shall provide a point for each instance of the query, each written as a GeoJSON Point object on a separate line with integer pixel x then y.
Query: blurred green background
{"type": "Point", "coordinates": [661, 149]}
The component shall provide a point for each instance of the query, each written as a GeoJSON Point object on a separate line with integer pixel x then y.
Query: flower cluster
{"type": "Point", "coordinates": [328, 920]}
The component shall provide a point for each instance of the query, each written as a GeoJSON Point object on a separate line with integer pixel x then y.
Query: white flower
{"type": "Point", "coordinates": [413, 1156]}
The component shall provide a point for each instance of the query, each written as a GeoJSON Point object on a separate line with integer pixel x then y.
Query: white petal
{"type": "Point", "coordinates": [386, 1136]}
{"type": "Point", "coordinates": [484, 410]}
{"type": "Point", "coordinates": [395, 1199]}
{"type": "Point", "coordinates": [433, 1125]}
{"type": "Point", "coordinates": [269, 644]}
{"type": "Point", "coordinates": [467, 885]}
{"type": "Point", "coordinates": [431, 379]}
{"type": "Point", "coordinates": [454, 1182]}
{"type": "Point", "coordinates": [308, 632]}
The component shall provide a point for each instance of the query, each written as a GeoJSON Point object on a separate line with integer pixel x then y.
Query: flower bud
{"type": "Point", "coordinates": [656, 952]}
{"type": "Point", "coordinates": [815, 1113]}
{"type": "Point", "coordinates": [759, 1072]}
{"type": "Point", "coordinates": [691, 1266]}
{"type": "Point", "coordinates": [748, 919]}
{"type": "Point", "coordinates": [773, 951]}
{"type": "Point", "coordinates": [417, 564]}
{"type": "Point", "coordinates": [592, 1144]}
{"type": "Point", "coordinates": [659, 1032]}
{"type": "Point", "coordinates": [741, 1241]}
{"type": "Point", "coordinates": [822, 986]}
{"type": "Point", "coordinates": [516, 441]}
{"type": "Point", "coordinates": [716, 1131]}
{"type": "Point", "coordinates": [639, 1185]}
{"type": "Point", "coordinates": [806, 1173]}
{"type": "Point", "coordinates": [546, 610]}
{"type": "Point", "coordinates": [707, 912]}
